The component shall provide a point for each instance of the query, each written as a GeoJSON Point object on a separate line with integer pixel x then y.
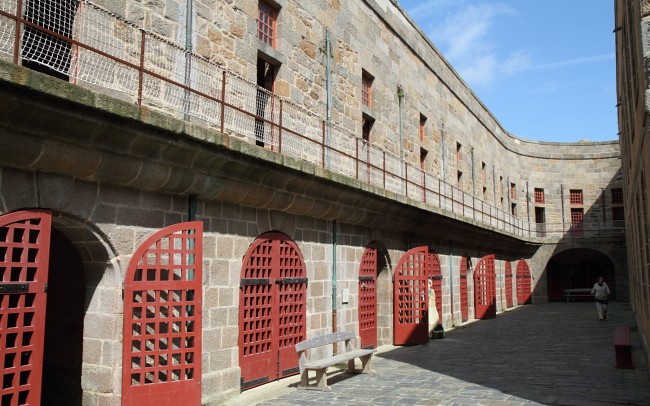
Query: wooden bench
{"type": "Point", "coordinates": [623, 347]}
{"type": "Point", "coordinates": [579, 293]}
{"type": "Point", "coordinates": [307, 362]}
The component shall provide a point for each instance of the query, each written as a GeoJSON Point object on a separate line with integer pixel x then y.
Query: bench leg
{"type": "Point", "coordinates": [321, 380]}
{"type": "Point", "coordinates": [366, 366]}
{"type": "Point", "coordinates": [304, 379]}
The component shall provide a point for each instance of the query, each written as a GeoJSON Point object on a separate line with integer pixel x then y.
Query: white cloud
{"type": "Point", "coordinates": [573, 61]}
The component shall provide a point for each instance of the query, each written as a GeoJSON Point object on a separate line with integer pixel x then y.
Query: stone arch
{"type": "Point", "coordinates": [575, 268]}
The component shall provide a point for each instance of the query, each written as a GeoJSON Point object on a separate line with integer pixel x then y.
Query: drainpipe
{"type": "Point", "coordinates": [473, 174]}
{"type": "Point", "coordinates": [188, 57]}
{"type": "Point", "coordinates": [328, 112]}
{"type": "Point", "coordinates": [443, 149]}
{"type": "Point", "coordinates": [400, 97]}
{"type": "Point", "coordinates": [334, 293]}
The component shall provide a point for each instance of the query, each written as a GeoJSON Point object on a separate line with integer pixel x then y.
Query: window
{"type": "Point", "coordinates": [539, 196]}
{"type": "Point", "coordinates": [366, 127]}
{"type": "Point", "coordinates": [575, 196]}
{"type": "Point", "coordinates": [576, 216]}
{"type": "Point", "coordinates": [459, 176]}
{"type": "Point", "coordinates": [423, 123]}
{"type": "Point", "coordinates": [43, 52]}
{"type": "Point", "coordinates": [513, 209]}
{"type": "Point", "coordinates": [513, 191]}
{"type": "Point", "coordinates": [264, 103]}
{"type": "Point", "coordinates": [266, 23]}
{"type": "Point", "coordinates": [617, 213]}
{"type": "Point", "coordinates": [459, 156]}
{"type": "Point", "coordinates": [366, 89]}
{"type": "Point", "coordinates": [483, 175]}
{"type": "Point", "coordinates": [617, 196]}
{"type": "Point", "coordinates": [540, 216]}
{"type": "Point", "coordinates": [423, 157]}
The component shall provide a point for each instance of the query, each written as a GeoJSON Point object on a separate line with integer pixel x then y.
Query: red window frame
{"type": "Point", "coordinates": [577, 216]}
{"type": "Point", "coordinates": [267, 23]}
{"type": "Point", "coordinates": [575, 196]}
{"type": "Point", "coordinates": [539, 195]}
{"type": "Point", "coordinates": [513, 191]}
{"type": "Point", "coordinates": [617, 196]}
{"type": "Point", "coordinates": [366, 89]}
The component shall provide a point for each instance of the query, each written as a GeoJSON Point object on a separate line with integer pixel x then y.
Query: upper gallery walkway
{"type": "Point", "coordinates": [553, 354]}
{"type": "Point", "coordinates": [142, 68]}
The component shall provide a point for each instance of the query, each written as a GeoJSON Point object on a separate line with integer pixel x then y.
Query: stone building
{"type": "Point", "coordinates": [188, 189]}
{"type": "Point", "coordinates": [631, 32]}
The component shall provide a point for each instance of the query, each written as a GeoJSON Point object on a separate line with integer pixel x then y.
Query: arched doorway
{"type": "Point", "coordinates": [524, 285]}
{"type": "Point", "coordinates": [64, 324]}
{"type": "Point", "coordinates": [411, 296]}
{"type": "Point", "coordinates": [578, 268]}
{"type": "Point", "coordinates": [372, 262]}
{"type": "Point", "coordinates": [508, 282]}
{"type": "Point", "coordinates": [485, 289]}
{"type": "Point", "coordinates": [272, 309]}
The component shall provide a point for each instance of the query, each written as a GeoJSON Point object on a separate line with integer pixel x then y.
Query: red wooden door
{"type": "Point", "coordinates": [24, 257]}
{"type": "Point", "coordinates": [464, 301]}
{"type": "Point", "coordinates": [435, 274]}
{"type": "Point", "coordinates": [368, 298]}
{"type": "Point", "coordinates": [523, 282]}
{"type": "Point", "coordinates": [485, 288]}
{"type": "Point", "coordinates": [272, 309]}
{"type": "Point", "coordinates": [508, 283]}
{"type": "Point", "coordinates": [410, 298]}
{"type": "Point", "coordinates": [161, 360]}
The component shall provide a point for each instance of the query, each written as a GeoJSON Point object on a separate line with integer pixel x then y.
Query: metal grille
{"type": "Point", "coordinates": [464, 300]}
{"type": "Point", "coordinates": [575, 196]}
{"type": "Point", "coordinates": [368, 298]}
{"type": "Point", "coordinates": [539, 196]}
{"type": "Point", "coordinates": [436, 275]}
{"type": "Point", "coordinates": [272, 312]}
{"type": "Point", "coordinates": [24, 255]}
{"type": "Point", "coordinates": [508, 285]}
{"type": "Point", "coordinates": [485, 288]}
{"type": "Point", "coordinates": [523, 282]}
{"type": "Point", "coordinates": [411, 298]}
{"type": "Point", "coordinates": [162, 318]}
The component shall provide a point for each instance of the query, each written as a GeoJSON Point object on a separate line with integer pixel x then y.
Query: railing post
{"type": "Point", "coordinates": [280, 130]}
{"type": "Point", "coordinates": [440, 193]}
{"type": "Point", "coordinates": [424, 187]}
{"type": "Point", "coordinates": [384, 168]}
{"type": "Point", "coordinates": [19, 13]}
{"type": "Point", "coordinates": [143, 37]}
{"type": "Point", "coordinates": [223, 100]}
{"type": "Point", "coordinates": [356, 157]}
{"type": "Point", "coordinates": [406, 180]}
{"type": "Point", "coordinates": [322, 155]}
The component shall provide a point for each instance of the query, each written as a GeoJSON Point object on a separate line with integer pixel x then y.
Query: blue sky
{"type": "Point", "coordinates": [546, 69]}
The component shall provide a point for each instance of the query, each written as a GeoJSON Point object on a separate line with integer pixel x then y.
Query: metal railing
{"type": "Point", "coordinates": [106, 53]}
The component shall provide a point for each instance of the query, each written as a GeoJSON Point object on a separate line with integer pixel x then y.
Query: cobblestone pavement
{"type": "Point", "coordinates": [553, 354]}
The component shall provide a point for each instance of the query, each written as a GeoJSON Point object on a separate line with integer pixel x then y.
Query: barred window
{"type": "Point", "coordinates": [539, 195]}
{"type": "Point", "coordinates": [617, 196]}
{"type": "Point", "coordinates": [513, 191]}
{"type": "Point", "coordinates": [266, 23]}
{"type": "Point", "coordinates": [617, 213]}
{"type": "Point", "coordinates": [576, 216]}
{"type": "Point", "coordinates": [366, 89]}
{"type": "Point", "coordinates": [575, 196]}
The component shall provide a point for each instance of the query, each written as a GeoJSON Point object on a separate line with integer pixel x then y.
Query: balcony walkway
{"type": "Point", "coordinates": [553, 354]}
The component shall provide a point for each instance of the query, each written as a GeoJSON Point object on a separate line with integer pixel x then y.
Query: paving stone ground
{"type": "Point", "coordinates": [551, 354]}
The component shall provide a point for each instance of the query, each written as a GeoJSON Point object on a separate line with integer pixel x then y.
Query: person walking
{"type": "Point", "coordinates": [601, 295]}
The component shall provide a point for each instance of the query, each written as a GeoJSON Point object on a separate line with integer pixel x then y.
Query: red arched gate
{"type": "Point", "coordinates": [411, 297]}
{"type": "Point", "coordinates": [368, 298]}
{"type": "Point", "coordinates": [24, 256]}
{"type": "Point", "coordinates": [272, 309]}
{"type": "Point", "coordinates": [161, 362]}
{"type": "Point", "coordinates": [508, 283]}
{"type": "Point", "coordinates": [464, 300]}
{"type": "Point", "coordinates": [485, 288]}
{"type": "Point", "coordinates": [523, 282]}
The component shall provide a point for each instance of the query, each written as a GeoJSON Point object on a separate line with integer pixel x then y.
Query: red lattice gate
{"type": "Point", "coordinates": [485, 288]}
{"type": "Point", "coordinates": [410, 298]}
{"type": "Point", "coordinates": [464, 300]}
{"type": "Point", "coordinates": [523, 282]}
{"type": "Point", "coordinates": [508, 283]}
{"type": "Point", "coordinates": [161, 363]}
{"type": "Point", "coordinates": [272, 309]}
{"type": "Point", "coordinates": [368, 298]}
{"type": "Point", "coordinates": [24, 256]}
